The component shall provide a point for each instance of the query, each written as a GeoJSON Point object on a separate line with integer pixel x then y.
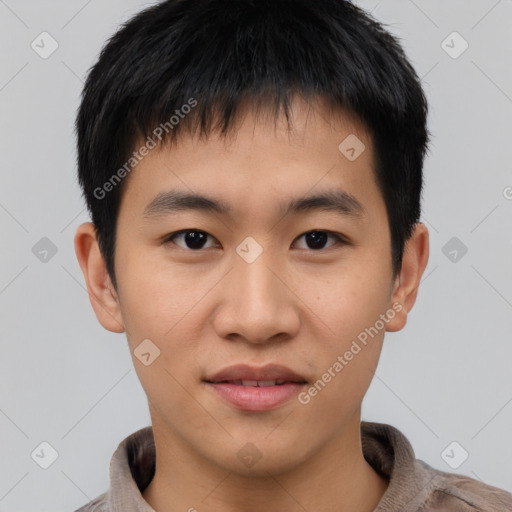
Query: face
{"type": "Point", "coordinates": [258, 276]}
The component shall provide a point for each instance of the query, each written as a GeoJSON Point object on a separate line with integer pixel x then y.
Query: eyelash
{"type": "Point", "coordinates": [339, 239]}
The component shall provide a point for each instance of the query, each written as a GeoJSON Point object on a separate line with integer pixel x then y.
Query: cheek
{"type": "Point", "coordinates": [156, 297]}
{"type": "Point", "coordinates": [347, 303]}
{"type": "Point", "coordinates": [350, 309]}
{"type": "Point", "coordinates": [168, 307]}
{"type": "Point", "coordinates": [345, 364]}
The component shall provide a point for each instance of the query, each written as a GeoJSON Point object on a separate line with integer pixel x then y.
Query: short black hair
{"type": "Point", "coordinates": [193, 63]}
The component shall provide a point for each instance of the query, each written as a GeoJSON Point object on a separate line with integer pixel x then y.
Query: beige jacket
{"type": "Point", "coordinates": [414, 486]}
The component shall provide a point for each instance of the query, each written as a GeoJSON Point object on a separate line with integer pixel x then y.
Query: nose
{"type": "Point", "coordinates": [257, 303]}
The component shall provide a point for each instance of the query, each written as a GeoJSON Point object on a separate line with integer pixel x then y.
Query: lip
{"type": "Point", "coordinates": [227, 384]}
{"type": "Point", "coordinates": [247, 372]}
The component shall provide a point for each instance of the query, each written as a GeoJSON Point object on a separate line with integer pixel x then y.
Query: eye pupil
{"type": "Point", "coordinates": [195, 239]}
{"type": "Point", "coordinates": [316, 239]}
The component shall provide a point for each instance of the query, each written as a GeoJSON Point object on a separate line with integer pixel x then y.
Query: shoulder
{"type": "Point", "coordinates": [99, 504]}
{"type": "Point", "coordinates": [416, 486]}
{"type": "Point", "coordinates": [460, 493]}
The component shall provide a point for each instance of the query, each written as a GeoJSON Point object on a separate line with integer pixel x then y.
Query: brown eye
{"type": "Point", "coordinates": [316, 240]}
{"type": "Point", "coordinates": [192, 239]}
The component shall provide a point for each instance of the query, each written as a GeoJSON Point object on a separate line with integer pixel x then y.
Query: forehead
{"type": "Point", "coordinates": [262, 158]}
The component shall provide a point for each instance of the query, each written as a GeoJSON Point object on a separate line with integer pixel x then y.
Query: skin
{"type": "Point", "coordinates": [294, 305]}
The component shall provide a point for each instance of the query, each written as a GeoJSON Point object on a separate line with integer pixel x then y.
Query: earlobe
{"type": "Point", "coordinates": [103, 297]}
{"type": "Point", "coordinates": [414, 262]}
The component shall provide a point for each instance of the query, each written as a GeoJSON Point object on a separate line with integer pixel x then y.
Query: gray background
{"type": "Point", "coordinates": [65, 380]}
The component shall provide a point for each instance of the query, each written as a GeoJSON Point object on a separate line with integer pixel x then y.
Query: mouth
{"type": "Point", "coordinates": [249, 388]}
{"type": "Point", "coordinates": [255, 383]}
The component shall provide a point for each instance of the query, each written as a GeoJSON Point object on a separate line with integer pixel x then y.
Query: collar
{"type": "Point", "coordinates": [385, 448]}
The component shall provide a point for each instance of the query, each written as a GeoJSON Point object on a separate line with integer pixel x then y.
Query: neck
{"type": "Point", "coordinates": [336, 478]}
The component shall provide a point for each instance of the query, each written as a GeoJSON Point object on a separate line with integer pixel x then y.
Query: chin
{"type": "Point", "coordinates": [262, 458]}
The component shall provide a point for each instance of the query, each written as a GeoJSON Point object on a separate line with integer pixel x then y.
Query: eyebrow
{"type": "Point", "coordinates": [173, 201]}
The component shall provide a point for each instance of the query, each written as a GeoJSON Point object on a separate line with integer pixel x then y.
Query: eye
{"type": "Point", "coordinates": [193, 239]}
{"type": "Point", "coordinates": [316, 240]}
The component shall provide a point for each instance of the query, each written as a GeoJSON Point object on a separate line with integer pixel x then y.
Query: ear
{"type": "Point", "coordinates": [103, 297]}
{"type": "Point", "coordinates": [407, 282]}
